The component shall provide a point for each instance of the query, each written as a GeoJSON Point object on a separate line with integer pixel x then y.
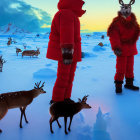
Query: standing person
{"type": "Point", "coordinates": [124, 32]}
{"type": "Point", "coordinates": [65, 46]}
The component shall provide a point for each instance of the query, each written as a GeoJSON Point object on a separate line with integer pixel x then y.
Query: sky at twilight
{"type": "Point", "coordinates": [37, 15]}
{"type": "Point", "coordinates": [99, 12]}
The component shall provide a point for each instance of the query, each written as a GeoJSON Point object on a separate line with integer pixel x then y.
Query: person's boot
{"type": "Point", "coordinates": [129, 84]}
{"type": "Point", "coordinates": [118, 85]}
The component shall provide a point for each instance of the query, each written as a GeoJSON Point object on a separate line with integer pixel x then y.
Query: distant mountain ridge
{"type": "Point", "coordinates": [12, 29]}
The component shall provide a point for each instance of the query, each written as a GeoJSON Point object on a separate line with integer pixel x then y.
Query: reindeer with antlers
{"type": "Point", "coordinates": [66, 109]}
{"type": "Point", "coordinates": [31, 52]}
{"type": "Point", "coordinates": [123, 33]}
{"type": "Point", "coordinates": [2, 61]}
{"type": "Point", "coordinates": [19, 99]}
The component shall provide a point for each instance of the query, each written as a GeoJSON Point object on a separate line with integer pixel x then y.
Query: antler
{"type": "Point", "coordinates": [42, 85]}
{"type": "Point", "coordinates": [132, 2]}
{"type": "Point", "coordinates": [38, 84]}
{"type": "Point", "coordinates": [121, 2]}
{"type": "Point", "coordinates": [85, 98]}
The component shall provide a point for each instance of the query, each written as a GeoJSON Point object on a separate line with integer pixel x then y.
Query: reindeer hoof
{"type": "Point", "coordinates": [66, 132]}
{"type": "Point", "coordinates": [69, 129]}
{"type": "Point", "coordinates": [20, 126]}
{"type": "Point", "coordinates": [0, 131]}
{"type": "Point", "coordinates": [27, 122]}
{"type": "Point", "coordinates": [52, 131]}
{"type": "Point", "coordinates": [59, 126]}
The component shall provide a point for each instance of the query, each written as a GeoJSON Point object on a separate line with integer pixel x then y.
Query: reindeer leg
{"type": "Point", "coordinates": [51, 121]}
{"type": "Point", "coordinates": [71, 117]}
{"type": "Point", "coordinates": [0, 131]}
{"type": "Point", "coordinates": [21, 117]}
{"type": "Point", "coordinates": [65, 119]}
{"type": "Point", "coordinates": [58, 123]}
{"type": "Point", "coordinates": [51, 125]}
{"type": "Point", "coordinates": [25, 115]}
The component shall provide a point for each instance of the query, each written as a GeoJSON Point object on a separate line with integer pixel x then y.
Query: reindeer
{"type": "Point", "coordinates": [9, 41]}
{"type": "Point", "coordinates": [102, 37]}
{"type": "Point", "coordinates": [31, 52]}
{"type": "Point", "coordinates": [88, 36]}
{"type": "Point", "coordinates": [66, 109]}
{"type": "Point", "coordinates": [126, 8]}
{"type": "Point", "coordinates": [19, 99]}
{"type": "Point", "coordinates": [2, 61]}
{"type": "Point", "coordinates": [101, 44]}
{"type": "Point", "coordinates": [18, 50]}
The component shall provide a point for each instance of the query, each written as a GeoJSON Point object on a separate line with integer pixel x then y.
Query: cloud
{"type": "Point", "coordinates": [24, 16]}
{"type": "Point", "coordinates": [45, 26]}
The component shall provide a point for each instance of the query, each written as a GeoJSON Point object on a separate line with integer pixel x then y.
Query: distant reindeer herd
{"type": "Point", "coordinates": [30, 53]}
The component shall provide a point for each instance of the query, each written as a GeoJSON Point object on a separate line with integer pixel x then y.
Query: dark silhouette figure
{"type": "Point", "coordinates": [66, 109]}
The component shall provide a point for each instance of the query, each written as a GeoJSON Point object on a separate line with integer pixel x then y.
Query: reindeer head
{"type": "Point", "coordinates": [38, 51]}
{"type": "Point", "coordinates": [126, 8]}
{"type": "Point", "coordinates": [39, 88]}
{"type": "Point", "coordinates": [83, 102]}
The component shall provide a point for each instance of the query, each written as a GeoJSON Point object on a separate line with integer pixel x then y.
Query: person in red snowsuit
{"type": "Point", "coordinates": [123, 33]}
{"type": "Point", "coordinates": [65, 46]}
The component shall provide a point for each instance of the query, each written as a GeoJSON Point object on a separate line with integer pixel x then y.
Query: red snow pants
{"type": "Point", "coordinates": [64, 82]}
{"type": "Point", "coordinates": [124, 67]}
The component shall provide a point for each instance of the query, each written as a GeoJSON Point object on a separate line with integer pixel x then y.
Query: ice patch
{"type": "Point", "coordinates": [98, 48]}
{"type": "Point", "coordinates": [100, 126]}
{"type": "Point", "coordinates": [88, 55]}
{"type": "Point", "coordinates": [45, 73]}
{"type": "Point", "coordinates": [48, 65]}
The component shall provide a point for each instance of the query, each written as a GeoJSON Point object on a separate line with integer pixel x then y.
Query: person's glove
{"type": "Point", "coordinates": [67, 54]}
{"type": "Point", "coordinates": [117, 52]}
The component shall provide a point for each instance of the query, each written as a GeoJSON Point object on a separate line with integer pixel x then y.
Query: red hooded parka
{"type": "Point", "coordinates": [65, 30]}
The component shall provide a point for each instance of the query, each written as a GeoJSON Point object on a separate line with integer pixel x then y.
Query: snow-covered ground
{"type": "Point", "coordinates": [112, 117]}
